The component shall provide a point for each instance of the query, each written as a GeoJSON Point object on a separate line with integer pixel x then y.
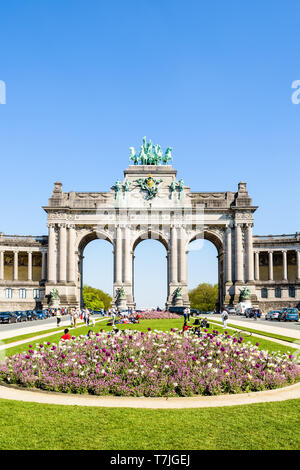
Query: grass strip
{"type": "Point", "coordinates": [262, 426]}
{"type": "Point", "coordinates": [288, 339]}
{"type": "Point", "coordinates": [14, 339]}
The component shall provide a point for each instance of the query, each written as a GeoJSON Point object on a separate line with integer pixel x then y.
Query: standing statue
{"type": "Point", "coordinates": [180, 185]}
{"type": "Point", "coordinates": [126, 186]}
{"type": "Point", "coordinates": [117, 188]}
{"type": "Point", "coordinates": [173, 185]}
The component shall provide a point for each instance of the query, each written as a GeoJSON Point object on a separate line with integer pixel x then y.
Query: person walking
{"type": "Point", "coordinates": [224, 316]}
{"type": "Point", "coordinates": [75, 317]}
{"type": "Point", "coordinates": [72, 318]}
{"type": "Point", "coordinates": [58, 317]}
{"type": "Point", "coordinates": [185, 313]}
{"type": "Point", "coordinates": [188, 313]}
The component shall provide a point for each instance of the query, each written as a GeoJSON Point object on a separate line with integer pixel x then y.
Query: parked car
{"type": "Point", "coordinates": [231, 310]}
{"type": "Point", "coordinates": [241, 308]}
{"type": "Point", "coordinates": [46, 312]}
{"type": "Point", "coordinates": [272, 315]}
{"type": "Point", "coordinates": [40, 315]}
{"type": "Point", "coordinates": [8, 317]}
{"type": "Point", "coordinates": [289, 314]}
{"type": "Point", "coordinates": [253, 313]}
{"type": "Point", "coordinates": [178, 310]}
{"type": "Point", "coordinates": [30, 315]}
{"type": "Point", "coordinates": [194, 311]}
{"type": "Point", "coordinates": [21, 316]}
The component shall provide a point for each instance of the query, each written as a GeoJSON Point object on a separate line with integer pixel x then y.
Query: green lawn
{"type": "Point", "coordinates": [260, 426]}
{"type": "Point", "coordinates": [289, 339]}
{"type": "Point", "coordinates": [14, 339]}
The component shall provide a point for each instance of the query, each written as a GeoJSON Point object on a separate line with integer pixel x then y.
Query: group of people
{"type": "Point", "coordinates": [127, 316]}
{"type": "Point", "coordinates": [75, 315]}
{"type": "Point", "coordinates": [196, 327]}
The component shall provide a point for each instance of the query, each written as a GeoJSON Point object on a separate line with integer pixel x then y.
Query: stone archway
{"type": "Point", "coordinates": [216, 237]}
{"type": "Point", "coordinates": [141, 237]}
{"type": "Point", "coordinates": [150, 200]}
{"type": "Point", "coordinates": [83, 239]}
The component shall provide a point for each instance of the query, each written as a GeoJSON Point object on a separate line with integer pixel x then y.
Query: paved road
{"type": "Point", "coordinates": [261, 321]}
{"type": "Point", "coordinates": [22, 328]}
{"type": "Point", "coordinates": [48, 322]}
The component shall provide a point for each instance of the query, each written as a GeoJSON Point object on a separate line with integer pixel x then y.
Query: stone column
{"type": "Point", "coordinates": [239, 255]}
{"type": "Point", "coordinates": [15, 265]}
{"type": "Point", "coordinates": [118, 256]}
{"type": "Point", "coordinates": [182, 258]}
{"type": "Point", "coordinates": [127, 256]}
{"type": "Point", "coordinates": [71, 253]}
{"type": "Point", "coordinates": [284, 261]}
{"type": "Point", "coordinates": [29, 275]}
{"type": "Point", "coordinates": [62, 253]}
{"type": "Point", "coordinates": [44, 270]}
{"type": "Point", "coordinates": [1, 265]}
{"type": "Point", "coordinates": [228, 253]}
{"type": "Point", "coordinates": [257, 265]}
{"type": "Point", "coordinates": [52, 257]}
{"type": "Point", "coordinates": [270, 265]}
{"type": "Point", "coordinates": [250, 270]}
{"type": "Point", "coordinates": [298, 264]}
{"type": "Point", "coordinates": [174, 255]}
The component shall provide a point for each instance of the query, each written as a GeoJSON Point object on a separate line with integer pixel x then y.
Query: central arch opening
{"type": "Point", "coordinates": [95, 270]}
{"type": "Point", "coordinates": [205, 273]}
{"type": "Point", "coordinates": [150, 280]}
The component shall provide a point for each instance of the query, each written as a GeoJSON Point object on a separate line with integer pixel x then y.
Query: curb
{"type": "Point", "coordinates": [13, 392]}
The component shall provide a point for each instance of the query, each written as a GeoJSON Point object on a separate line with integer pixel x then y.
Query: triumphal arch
{"type": "Point", "coordinates": [149, 202]}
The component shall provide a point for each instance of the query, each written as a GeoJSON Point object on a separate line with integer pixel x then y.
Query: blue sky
{"type": "Point", "coordinates": [85, 80]}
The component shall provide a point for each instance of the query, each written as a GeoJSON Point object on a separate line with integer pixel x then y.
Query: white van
{"type": "Point", "coordinates": [241, 307]}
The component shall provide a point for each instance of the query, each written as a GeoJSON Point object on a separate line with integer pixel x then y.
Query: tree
{"type": "Point", "coordinates": [95, 298]}
{"type": "Point", "coordinates": [204, 297]}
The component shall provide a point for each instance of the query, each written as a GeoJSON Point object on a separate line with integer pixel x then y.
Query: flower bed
{"type": "Point", "coordinates": [158, 315]}
{"type": "Point", "coordinates": [150, 364]}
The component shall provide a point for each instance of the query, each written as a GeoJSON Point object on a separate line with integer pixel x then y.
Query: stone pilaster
{"type": "Point", "coordinates": [1, 265]}
{"type": "Point", "coordinates": [52, 255]}
{"type": "Point", "coordinates": [62, 253]}
{"type": "Point", "coordinates": [228, 256]}
{"type": "Point", "coordinates": [71, 253]}
{"type": "Point", "coordinates": [284, 263]}
{"type": "Point", "coordinates": [271, 275]}
{"type": "Point", "coordinates": [174, 256]}
{"type": "Point", "coordinates": [250, 270]}
{"type": "Point", "coordinates": [118, 256]}
{"type": "Point", "coordinates": [239, 255]}
{"type": "Point", "coordinates": [29, 275]}
{"type": "Point", "coordinates": [44, 266]}
{"type": "Point", "coordinates": [16, 257]}
{"type": "Point", "coordinates": [256, 265]}
{"type": "Point", "coordinates": [298, 264]}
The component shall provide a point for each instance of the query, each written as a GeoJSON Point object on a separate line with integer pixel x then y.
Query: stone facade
{"type": "Point", "coordinates": [23, 271]}
{"type": "Point", "coordinates": [150, 203]}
